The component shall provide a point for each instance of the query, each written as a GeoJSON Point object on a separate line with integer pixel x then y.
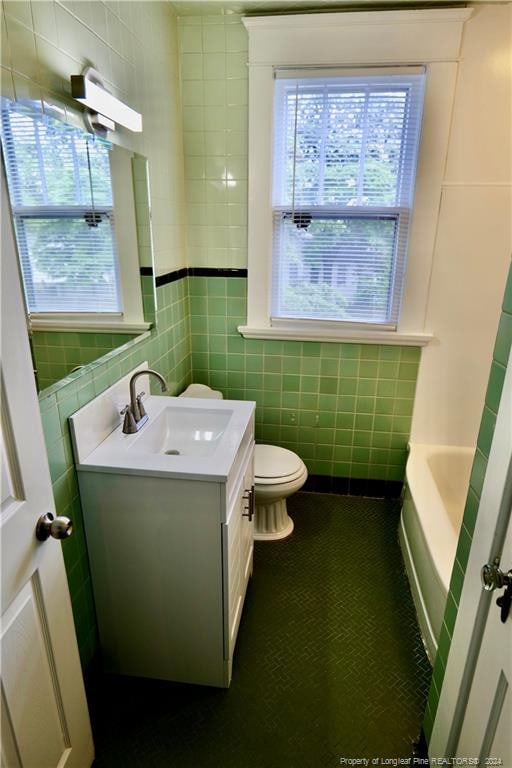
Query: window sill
{"type": "Point", "coordinates": [88, 326]}
{"type": "Point", "coordinates": [356, 337]}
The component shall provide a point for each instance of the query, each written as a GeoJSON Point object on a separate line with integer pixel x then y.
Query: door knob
{"type": "Point", "coordinates": [494, 578]}
{"type": "Point", "coordinates": [58, 527]}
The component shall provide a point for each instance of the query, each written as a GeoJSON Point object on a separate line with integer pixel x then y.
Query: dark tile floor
{"type": "Point", "coordinates": [329, 662]}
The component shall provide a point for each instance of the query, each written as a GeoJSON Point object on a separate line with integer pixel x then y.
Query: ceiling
{"type": "Point", "coordinates": [255, 7]}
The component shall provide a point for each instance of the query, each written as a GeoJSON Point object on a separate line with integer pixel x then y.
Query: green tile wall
{"type": "Point", "coordinates": [344, 408]}
{"type": "Point", "coordinates": [57, 353]}
{"type": "Point", "coordinates": [487, 424]}
{"type": "Point", "coordinates": [168, 350]}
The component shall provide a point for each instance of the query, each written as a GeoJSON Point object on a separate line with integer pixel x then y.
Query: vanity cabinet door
{"type": "Point", "coordinates": [238, 536]}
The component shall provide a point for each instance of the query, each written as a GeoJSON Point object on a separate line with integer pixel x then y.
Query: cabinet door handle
{"type": "Point", "coordinates": [250, 508]}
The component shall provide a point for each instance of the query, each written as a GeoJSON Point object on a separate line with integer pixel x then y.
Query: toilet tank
{"type": "Point", "coordinates": [203, 391]}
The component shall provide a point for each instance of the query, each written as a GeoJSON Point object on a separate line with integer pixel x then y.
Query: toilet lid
{"type": "Point", "coordinates": [272, 462]}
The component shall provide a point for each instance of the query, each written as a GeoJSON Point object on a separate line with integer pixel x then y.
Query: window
{"type": "Point", "coordinates": [344, 162]}
{"type": "Point", "coordinates": [330, 221]}
{"type": "Point", "coordinates": [61, 195]}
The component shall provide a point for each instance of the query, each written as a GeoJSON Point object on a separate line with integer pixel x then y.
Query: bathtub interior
{"type": "Point", "coordinates": [451, 471]}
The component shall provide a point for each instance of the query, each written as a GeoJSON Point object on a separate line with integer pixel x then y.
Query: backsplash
{"type": "Point", "coordinates": [344, 408]}
{"type": "Point", "coordinates": [168, 350]}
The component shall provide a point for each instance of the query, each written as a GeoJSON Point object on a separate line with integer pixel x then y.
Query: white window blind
{"type": "Point", "coordinates": [345, 151]}
{"type": "Point", "coordinates": [61, 195]}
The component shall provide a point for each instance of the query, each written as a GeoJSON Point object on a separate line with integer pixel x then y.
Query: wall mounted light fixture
{"type": "Point", "coordinates": [104, 109]}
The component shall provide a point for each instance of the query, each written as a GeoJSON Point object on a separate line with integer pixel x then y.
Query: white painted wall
{"type": "Point", "coordinates": [473, 243]}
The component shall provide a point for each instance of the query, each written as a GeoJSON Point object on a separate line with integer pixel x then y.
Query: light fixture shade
{"type": "Point", "coordinates": [86, 89]}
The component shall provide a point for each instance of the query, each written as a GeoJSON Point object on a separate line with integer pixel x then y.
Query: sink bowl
{"type": "Point", "coordinates": [183, 438]}
{"type": "Point", "coordinates": [183, 432]}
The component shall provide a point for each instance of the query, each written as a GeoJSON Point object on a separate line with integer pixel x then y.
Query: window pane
{"type": "Point", "coordinates": [61, 194]}
{"type": "Point", "coordinates": [345, 150]}
{"type": "Point", "coordinates": [346, 141]}
{"type": "Point", "coordinates": [68, 264]}
{"type": "Point", "coordinates": [48, 162]}
{"type": "Point", "coordinates": [333, 268]}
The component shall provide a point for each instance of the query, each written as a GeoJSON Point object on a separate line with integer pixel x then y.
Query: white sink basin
{"type": "Point", "coordinates": [183, 438]}
{"type": "Point", "coordinates": [183, 432]}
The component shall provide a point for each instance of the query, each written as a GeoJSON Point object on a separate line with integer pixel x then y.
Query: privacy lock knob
{"type": "Point", "coordinates": [58, 527]}
{"type": "Point", "coordinates": [494, 578]}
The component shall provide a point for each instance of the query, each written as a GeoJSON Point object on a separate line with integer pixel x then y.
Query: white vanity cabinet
{"type": "Point", "coordinates": [170, 557]}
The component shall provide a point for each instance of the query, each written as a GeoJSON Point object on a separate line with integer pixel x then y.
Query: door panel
{"type": "Point", "coordinates": [24, 637]}
{"type": "Point", "coordinates": [501, 741]}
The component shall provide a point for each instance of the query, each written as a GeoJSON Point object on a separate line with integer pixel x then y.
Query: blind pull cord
{"type": "Point", "coordinates": [301, 220]}
{"type": "Point", "coordinates": [92, 218]}
{"type": "Point", "coordinates": [296, 118]}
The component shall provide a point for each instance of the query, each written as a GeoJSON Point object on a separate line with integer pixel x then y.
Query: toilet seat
{"type": "Point", "coordinates": [274, 465]}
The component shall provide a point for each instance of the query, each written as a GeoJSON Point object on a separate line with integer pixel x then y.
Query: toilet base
{"type": "Point", "coordinates": [272, 521]}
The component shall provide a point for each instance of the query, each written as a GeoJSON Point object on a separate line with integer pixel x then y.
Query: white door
{"type": "Point", "coordinates": [486, 729]}
{"type": "Point", "coordinates": [474, 716]}
{"type": "Point", "coordinates": [45, 722]}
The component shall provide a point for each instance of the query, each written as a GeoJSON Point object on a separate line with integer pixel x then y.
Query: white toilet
{"type": "Point", "coordinates": [278, 473]}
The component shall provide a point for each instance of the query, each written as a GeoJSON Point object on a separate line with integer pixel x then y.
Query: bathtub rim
{"type": "Point", "coordinates": [441, 539]}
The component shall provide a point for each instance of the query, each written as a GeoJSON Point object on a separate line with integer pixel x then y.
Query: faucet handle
{"type": "Point", "coordinates": [142, 410]}
{"type": "Point", "coordinates": [129, 424]}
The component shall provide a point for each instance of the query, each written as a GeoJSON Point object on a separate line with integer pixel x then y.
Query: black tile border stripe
{"type": "Point", "coordinates": [214, 272]}
{"type": "Point", "coordinates": [179, 274]}
{"type": "Point", "coordinates": [346, 486]}
{"type": "Point", "coordinates": [171, 277]}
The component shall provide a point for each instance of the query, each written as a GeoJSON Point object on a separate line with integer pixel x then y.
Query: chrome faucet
{"type": "Point", "coordinates": [134, 414]}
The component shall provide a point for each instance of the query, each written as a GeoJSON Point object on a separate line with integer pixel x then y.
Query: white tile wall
{"type": "Point", "coordinates": [215, 98]}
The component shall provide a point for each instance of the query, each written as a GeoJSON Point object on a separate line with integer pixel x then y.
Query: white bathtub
{"type": "Point", "coordinates": [437, 479]}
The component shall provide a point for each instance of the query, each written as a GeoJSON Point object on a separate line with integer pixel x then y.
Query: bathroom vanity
{"type": "Point", "coordinates": [168, 519]}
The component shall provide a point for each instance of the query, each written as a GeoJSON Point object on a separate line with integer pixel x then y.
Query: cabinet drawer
{"type": "Point", "coordinates": [239, 468]}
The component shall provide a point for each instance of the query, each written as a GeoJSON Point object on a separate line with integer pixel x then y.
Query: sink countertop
{"type": "Point", "coordinates": [118, 452]}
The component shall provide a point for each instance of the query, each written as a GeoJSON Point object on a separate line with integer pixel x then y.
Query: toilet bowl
{"type": "Point", "coordinates": [278, 473]}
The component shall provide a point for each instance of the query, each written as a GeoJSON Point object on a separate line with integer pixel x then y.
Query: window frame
{"type": "Point", "coordinates": [429, 38]}
{"type": "Point", "coordinates": [400, 212]}
{"type": "Point", "coordinates": [129, 318]}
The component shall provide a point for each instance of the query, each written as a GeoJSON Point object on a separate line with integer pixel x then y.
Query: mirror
{"type": "Point", "coordinates": [80, 207]}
